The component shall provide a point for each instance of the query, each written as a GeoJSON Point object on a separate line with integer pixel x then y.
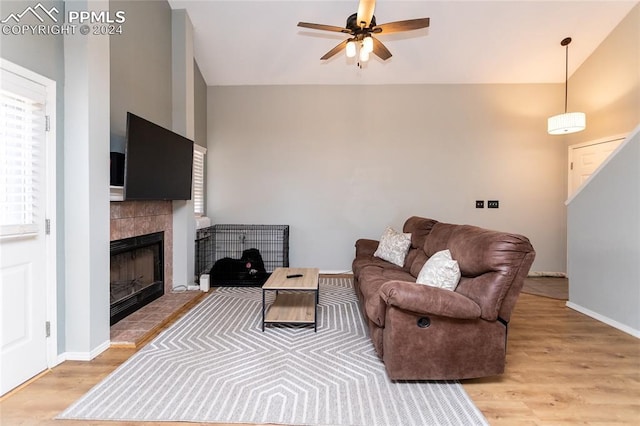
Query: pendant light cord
{"type": "Point", "coordinates": [565, 42]}
{"type": "Point", "coordinates": [566, 77]}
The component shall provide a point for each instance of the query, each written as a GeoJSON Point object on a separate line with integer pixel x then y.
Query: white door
{"type": "Point", "coordinates": [23, 240]}
{"type": "Point", "coordinates": [585, 158]}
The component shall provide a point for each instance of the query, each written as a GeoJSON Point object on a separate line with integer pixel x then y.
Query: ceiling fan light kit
{"type": "Point", "coordinates": [351, 49]}
{"type": "Point", "coordinates": [568, 122]}
{"type": "Point", "coordinates": [361, 26]}
{"type": "Point", "coordinates": [367, 44]}
{"type": "Point", "coordinates": [364, 55]}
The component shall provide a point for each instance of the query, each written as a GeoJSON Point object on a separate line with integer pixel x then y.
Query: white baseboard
{"type": "Point", "coordinates": [85, 356]}
{"type": "Point", "coordinates": [547, 274]}
{"type": "Point", "coordinates": [604, 319]}
{"type": "Point", "coordinates": [335, 272]}
{"type": "Point", "coordinates": [60, 359]}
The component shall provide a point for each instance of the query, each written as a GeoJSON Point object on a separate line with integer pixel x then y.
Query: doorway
{"type": "Point", "coordinates": [28, 338]}
{"type": "Point", "coordinates": [585, 158]}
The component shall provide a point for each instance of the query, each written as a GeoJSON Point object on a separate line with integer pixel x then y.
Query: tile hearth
{"type": "Point", "coordinates": [145, 322]}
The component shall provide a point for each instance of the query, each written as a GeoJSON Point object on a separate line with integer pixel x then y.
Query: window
{"type": "Point", "coordinates": [22, 133]}
{"type": "Point", "coordinates": [198, 179]}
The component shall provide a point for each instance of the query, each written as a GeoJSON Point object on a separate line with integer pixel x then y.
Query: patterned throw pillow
{"type": "Point", "coordinates": [440, 271]}
{"type": "Point", "coordinates": [393, 246]}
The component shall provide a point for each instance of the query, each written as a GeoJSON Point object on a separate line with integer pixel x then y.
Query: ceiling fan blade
{"type": "Point", "coordinates": [323, 27]}
{"type": "Point", "coordinates": [380, 50]}
{"type": "Point", "coordinates": [335, 50]}
{"type": "Point", "coordinates": [398, 26]}
{"type": "Point", "coordinates": [365, 12]}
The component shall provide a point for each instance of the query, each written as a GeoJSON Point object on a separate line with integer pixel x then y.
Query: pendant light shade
{"type": "Point", "coordinates": [569, 122]}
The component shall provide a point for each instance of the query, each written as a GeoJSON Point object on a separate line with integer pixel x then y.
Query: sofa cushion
{"type": "Point", "coordinates": [366, 247]}
{"type": "Point", "coordinates": [361, 263]}
{"type": "Point", "coordinates": [440, 271]}
{"type": "Point", "coordinates": [371, 279]}
{"type": "Point", "coordinates": [398, 275]}
{"type": "Point", "coordinates": [438, 238]}
{"type": "Point", "coordinates": [489, 261]}
{"type": "Point", "coordinates": [419, 228]}
{"type": "Point", "coordinates": [411, 257]}
{"type": "Point", "coordinates": [393, 246]}
{"type": "Point", "coordinates": [426, 300]}
{"type": "Point", "coordinates": [418, 262]}
{"type": "Point", "coordinates": [374, 307]}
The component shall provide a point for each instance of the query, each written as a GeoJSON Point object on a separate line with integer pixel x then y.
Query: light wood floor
{"type": "Point", "coordinates": [562, 368]}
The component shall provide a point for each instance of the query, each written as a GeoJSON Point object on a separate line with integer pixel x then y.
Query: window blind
{"type": "Point", "coordinates": [198, 179]}
{"type": "Point", "coordinates": [22, 134]}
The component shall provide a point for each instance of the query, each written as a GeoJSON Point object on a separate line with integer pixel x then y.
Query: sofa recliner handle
{"type": "Point", "coordinates": [424, 322]}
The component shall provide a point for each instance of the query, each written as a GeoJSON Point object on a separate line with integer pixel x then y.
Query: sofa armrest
{"type": "Point", "coordinates": [426, 300]}
{"type": "Point", "coordinates": [366, 247]}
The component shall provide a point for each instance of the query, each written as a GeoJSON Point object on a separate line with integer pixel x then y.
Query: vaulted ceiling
{"type": "Point", "coordinates": [258, 42]}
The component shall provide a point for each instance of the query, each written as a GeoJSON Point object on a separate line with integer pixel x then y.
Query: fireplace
{"type": "Point", "coordinates": [137, 273]}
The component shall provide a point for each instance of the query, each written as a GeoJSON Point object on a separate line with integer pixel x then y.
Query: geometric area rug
{"type": "Point", "coordinates": [216, 365]}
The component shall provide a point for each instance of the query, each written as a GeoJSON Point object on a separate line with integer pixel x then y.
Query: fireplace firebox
{"type": "Point", "coordinates": [137, 273]}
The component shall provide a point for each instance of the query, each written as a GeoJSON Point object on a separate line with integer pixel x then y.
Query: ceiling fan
{"type": "Point", "coordinates": [361, 26]}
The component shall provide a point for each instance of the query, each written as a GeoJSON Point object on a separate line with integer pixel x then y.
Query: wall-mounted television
{"type": "Point", "coordinates": [158, 163]}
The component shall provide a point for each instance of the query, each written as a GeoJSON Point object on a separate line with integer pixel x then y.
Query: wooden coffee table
{"type": "Point", "coordinates": [296, 297]}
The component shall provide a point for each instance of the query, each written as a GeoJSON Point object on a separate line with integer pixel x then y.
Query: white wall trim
{"type": "Point", "coordinates": [335, 272]}
{"type": "Point", "coordinates": [85, 356]}
{"type": "Point", "coordinates": [536, 274]}
{"type": "Point", "coordinates": [613, 323]}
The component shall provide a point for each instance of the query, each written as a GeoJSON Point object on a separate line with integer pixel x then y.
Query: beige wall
{"type": "Point", "coordinates": [141, 66]}
{"type": "Point", "coordinates": [342, 162]}
{"type": "Point", "coordinates": [200, 110]}
{"type": "Point", "coordinates": [607, 85]}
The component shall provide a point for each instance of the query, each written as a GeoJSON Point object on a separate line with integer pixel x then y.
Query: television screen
{"type": "Point", "coordinates": [157, 163]}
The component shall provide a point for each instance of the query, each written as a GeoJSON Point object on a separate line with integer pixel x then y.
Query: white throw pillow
{"type": "Point", "coordinates": [393, 246]}
{"type": "Point", "coordinates": [440, 271]}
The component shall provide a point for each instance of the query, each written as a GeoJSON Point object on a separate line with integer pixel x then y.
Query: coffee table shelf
{"type": "Point", "coordinates": [296, 299]}
{"type": "Point", "coordinates": [292, 308]}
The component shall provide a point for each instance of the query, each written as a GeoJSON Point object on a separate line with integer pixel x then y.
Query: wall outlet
{"type": "Point", "coordinates": [493, 204]}
{"type": "Point", "coordinates": [479, 204]}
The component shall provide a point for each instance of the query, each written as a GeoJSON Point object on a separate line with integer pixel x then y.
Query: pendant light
{"type": "Point", "coordinates": [569, 122]}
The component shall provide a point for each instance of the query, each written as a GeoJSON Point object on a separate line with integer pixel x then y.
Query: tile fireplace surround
{"type": "Point", "coordinates": [133, 218]}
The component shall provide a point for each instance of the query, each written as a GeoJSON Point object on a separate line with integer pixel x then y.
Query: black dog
{"type": "Point", "coordinates": [249, 267]}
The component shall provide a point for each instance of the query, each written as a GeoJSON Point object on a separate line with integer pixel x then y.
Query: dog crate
{"type": "Point", "coordinates": [204, 251]}
{"type": "Point", "coordinates": [230, 241]}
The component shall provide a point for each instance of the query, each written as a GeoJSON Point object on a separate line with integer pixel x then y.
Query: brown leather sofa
{"type": "Point", "coordinates": [428, 333]}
